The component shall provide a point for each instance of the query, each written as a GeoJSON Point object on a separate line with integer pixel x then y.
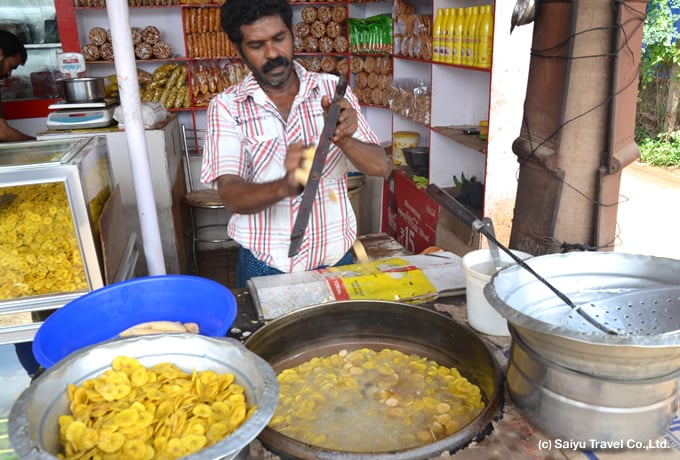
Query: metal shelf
{"type": "Point", "coordinates": [39, 46]}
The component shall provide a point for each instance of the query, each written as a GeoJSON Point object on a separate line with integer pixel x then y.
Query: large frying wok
{"type": "Point", "coordinates": [325, 329]}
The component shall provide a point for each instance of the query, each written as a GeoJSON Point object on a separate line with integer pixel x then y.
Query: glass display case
{"type": "Point", "coordinates": [35, 23]}
{"type": "Point", "coordinates": [52, 194]}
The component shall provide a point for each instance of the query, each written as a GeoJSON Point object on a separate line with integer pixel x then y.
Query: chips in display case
{"type": "Point", "coordinates": [52, 194]}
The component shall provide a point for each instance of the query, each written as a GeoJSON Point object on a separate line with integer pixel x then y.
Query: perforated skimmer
{"type": "Point", "coordinates": [652, 311]}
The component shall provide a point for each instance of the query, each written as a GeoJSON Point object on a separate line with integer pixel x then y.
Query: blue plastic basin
{"type": "Point", "coordinates": [104, 313]}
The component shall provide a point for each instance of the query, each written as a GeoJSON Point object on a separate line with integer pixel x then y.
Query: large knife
{"type": "Point", "coordinates": [309, 194]}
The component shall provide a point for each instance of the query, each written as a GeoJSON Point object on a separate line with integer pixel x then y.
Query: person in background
{"type": "Point", "coordinates": [12, 55]}
{"type": "Point", "coordinates": [255, 136]}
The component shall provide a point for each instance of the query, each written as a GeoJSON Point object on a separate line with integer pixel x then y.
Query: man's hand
{"type": "Point", "coordinates": [347, 121]}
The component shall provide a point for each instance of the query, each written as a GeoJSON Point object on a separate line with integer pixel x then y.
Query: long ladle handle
{"type": "Point", "coordinates": [493, 247]}
{"type": "Point", "coordinates": [462, 213]}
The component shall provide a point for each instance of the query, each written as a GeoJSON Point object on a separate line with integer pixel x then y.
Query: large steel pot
{"type": "Point", "coordinates": [325, 329]}
{"type": "Point", "coordinates": [545, 323]}
{"type": "Point", "coordinates": [33, 420]}
{"type": "Point", "coordinates": [83, 89]}
{"type": "Point", "coordinates": [592, 411]}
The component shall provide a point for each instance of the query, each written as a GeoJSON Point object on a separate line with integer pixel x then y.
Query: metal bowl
{"type": "Point", "coordinates": [83, 89]}
{"type": "Point", "coordinates": [327, 328]}
{"type": "Point", "coordinates": [418, 158]}
{"type": "Point", "coordinates": [545, 323]}
{"type": "Point", "coordinates": [33, 421]}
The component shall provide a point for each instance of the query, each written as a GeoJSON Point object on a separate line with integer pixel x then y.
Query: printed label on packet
{"type": "Point", "coordinates": [390, 279]}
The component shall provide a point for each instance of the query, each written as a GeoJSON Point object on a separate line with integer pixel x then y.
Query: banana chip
{"type": "Point", "coordinates": [405, 400]}
{"type": "Point", "coordinates": [138, 413]}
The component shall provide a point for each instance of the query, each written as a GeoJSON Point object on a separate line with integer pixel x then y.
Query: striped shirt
{"type": "Point", "coordinates": [247, 136]}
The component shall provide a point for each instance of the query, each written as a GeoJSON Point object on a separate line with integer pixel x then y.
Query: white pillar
{"type": "Point", "coordinates": [128, 88]}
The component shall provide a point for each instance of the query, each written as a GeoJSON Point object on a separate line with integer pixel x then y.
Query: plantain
{"type": "Point", "coordinates": [172, 80]}
{"type": "Point", "coordinates": [187, 98]}
{"type": "Point", "coordinates": [111, 89]}
{"type": "Point", "coordinates": [164, 97]}
{"type": "Point", "coordinates": [160, 327]}
{"type": "Point", "coordinates": [163, 71]}
{"type": "Point", "coordinates": [302, 173]}
{"type": "Point", "coordinates": [179, 98]}
{"type": "Point", "coordinates": [158, 83]}
{"type": "Point", "coordinates": [169, 103]}
{"type": "Point", "coordinates": [182, 77]}
{"type": "Point", "coordinates": [147, 96]}
{"type": "Point", "coordinates": [157, 93]}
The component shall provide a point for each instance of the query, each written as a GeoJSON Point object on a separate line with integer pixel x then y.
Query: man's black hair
{"type": "Point", "coordinates": [11, 46]}
{"type": "Point", "coordinates": [236, 13]}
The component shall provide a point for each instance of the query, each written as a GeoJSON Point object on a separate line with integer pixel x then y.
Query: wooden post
{"type": "Point", "coordinates": [578, 125]}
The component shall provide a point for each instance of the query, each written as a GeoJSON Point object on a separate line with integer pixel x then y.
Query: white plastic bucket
{"type": "Point", "coordinates": [479, 268]}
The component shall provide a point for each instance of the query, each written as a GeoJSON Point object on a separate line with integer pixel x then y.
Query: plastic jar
{"type": "Point", "coordinates": [484, 130]}
{"type": "Point", "coordinates": [400, 141]}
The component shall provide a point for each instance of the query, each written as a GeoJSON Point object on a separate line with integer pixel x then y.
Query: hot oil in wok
{"type": "Point", "coordinates": [373, 401]}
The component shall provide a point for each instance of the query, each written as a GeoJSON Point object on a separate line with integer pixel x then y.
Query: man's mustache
{"type": "Point", "coordinates": [276, 62]}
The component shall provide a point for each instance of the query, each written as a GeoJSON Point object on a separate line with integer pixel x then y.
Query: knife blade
{"type": "Point", "coordinates": [309, 194]}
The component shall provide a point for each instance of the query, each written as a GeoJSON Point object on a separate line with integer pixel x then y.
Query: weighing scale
{"type": "Point", "coordinates": [78, 115]}
{"type": "Point", "coordinates": [67, 115]}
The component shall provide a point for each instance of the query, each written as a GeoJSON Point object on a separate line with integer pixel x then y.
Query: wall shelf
{"type": "Point", "coordinates": [457, 134]}
{"type": "Point", "coordinates": [462, 95]}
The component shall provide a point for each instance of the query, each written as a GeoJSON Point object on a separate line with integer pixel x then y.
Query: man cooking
{"type": "Point", "coordinates": [256, 133]}
{"type": "Point", "coordinates": [12, 55]}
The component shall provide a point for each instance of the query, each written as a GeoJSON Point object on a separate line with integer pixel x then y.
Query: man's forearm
{"type": "Point", "coordinates": [370, 159]}
{"type": "Point", "coordinates": [244, 197]}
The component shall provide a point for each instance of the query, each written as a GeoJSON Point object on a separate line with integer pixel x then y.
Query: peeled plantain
{"type": "Point", "coordinates": [302, 173]}
{"type": "Point", "coordinates": [160, 327]}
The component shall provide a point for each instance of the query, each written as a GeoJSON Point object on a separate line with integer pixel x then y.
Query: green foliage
{"type": "Point", "coordinates": [664, 150]}
{"type": "Point", "coordinates": [659, 50]}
